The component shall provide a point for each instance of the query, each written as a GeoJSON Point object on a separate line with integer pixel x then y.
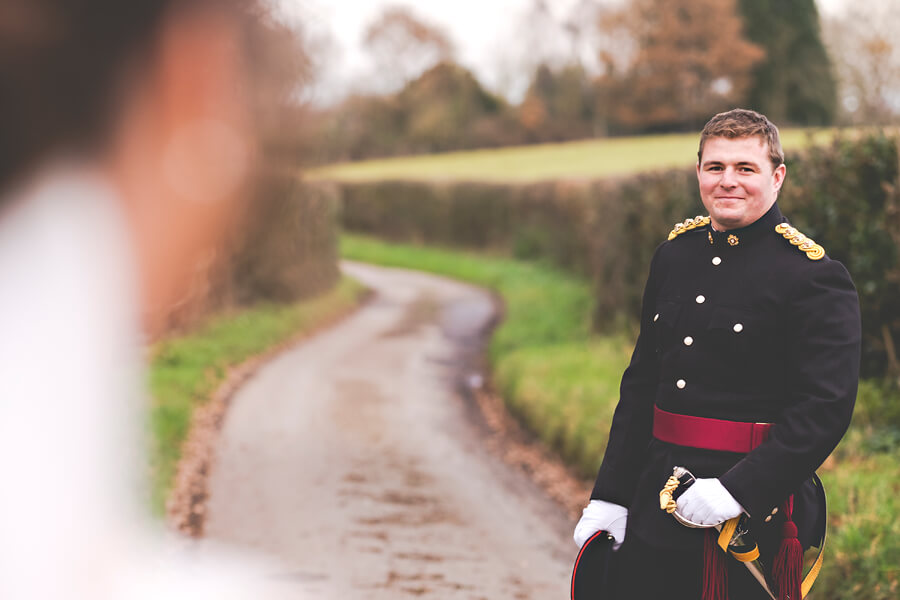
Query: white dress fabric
{"type": "Point", "coordinates": [72, 516]}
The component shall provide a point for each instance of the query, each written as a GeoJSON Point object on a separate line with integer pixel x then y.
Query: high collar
{"type": "Point", "coordinates": [750, 233]}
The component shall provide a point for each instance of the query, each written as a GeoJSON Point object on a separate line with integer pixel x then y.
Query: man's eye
{"type": "Point", "coordinates": [714, 168]}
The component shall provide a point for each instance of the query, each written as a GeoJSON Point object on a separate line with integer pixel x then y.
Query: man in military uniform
{"type": "Point", "coordinates": [744, 321]}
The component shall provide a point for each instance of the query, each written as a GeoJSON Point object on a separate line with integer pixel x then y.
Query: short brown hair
{"type": "Point", "coordinates": [739, 123]}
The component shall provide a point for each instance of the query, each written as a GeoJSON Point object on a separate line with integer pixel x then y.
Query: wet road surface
{"type": "Point", "coordinates": [356, 460]}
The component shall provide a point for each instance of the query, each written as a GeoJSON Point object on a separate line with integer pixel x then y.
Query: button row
{"type": "Point", "coordinates": [738, 327]}
{"type": "Point", "coordinates": [688, 341]}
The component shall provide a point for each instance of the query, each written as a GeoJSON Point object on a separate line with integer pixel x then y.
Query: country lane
{"type": "Point", "coordinates": [357, 460]}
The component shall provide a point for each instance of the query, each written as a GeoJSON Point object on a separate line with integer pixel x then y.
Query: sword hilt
{"type": "Point", "coordinates": [680, 480]}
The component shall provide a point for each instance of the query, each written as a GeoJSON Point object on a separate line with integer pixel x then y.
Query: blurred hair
{"type": "Point", "coordinates": [740, 123]}
{"type": "Point", "coordinates": [62, 65]}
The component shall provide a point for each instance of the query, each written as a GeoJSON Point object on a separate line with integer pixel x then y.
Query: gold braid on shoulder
{"type": "Point", "coordinates": [810, 247]}
{"type": "Point", "coordinates": [687, 225]}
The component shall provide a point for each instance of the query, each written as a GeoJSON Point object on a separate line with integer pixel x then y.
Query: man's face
{"type": "Point", "coordinates": [737, 182]}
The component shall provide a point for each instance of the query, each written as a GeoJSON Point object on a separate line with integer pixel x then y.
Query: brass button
{"type": "Point", "coordinates": [656, 318]}
{"type": "Point", "coordinates": [774, 510]}
{"type": "Point", "coordinates": [688, 341]}
{"type": "Point", "coordinates": [680, 384]}
{"type": "Point", "coordinates": [769, 518]}
{"type": "Point", "coordinates": [716, 261]}
{"type": "Point", "coordinates": [701, 299]}
{"type": "Point", "coordinates": [738, 328]}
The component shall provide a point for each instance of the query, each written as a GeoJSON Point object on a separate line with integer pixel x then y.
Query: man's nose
{"type": "Point", "coordinates": [728, 179]}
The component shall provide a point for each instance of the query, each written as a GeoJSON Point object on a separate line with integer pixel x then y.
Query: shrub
{"type": "Point", "coordinates": [284, 250]}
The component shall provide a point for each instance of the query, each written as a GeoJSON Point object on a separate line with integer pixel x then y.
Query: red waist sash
{"type": "Point", "coordinates": [709, 434]}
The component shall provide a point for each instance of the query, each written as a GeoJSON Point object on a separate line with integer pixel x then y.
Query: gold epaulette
{"type": "Point", "coordinates": [687, 225]}
{"type": "Point", "coordinates": [810, 247]}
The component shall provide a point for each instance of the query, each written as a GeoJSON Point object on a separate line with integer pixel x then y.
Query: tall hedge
{"type": "Point", "coordinates": [283, 249]}
{"type": "Point", "coordinates": [604, 230]}
{"type": "Point", "coordinates": [844, 195]}
{"type": "Point", "coordinates": [286, 249]}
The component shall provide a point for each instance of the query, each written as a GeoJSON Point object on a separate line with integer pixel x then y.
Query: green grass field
{"type": "Point", "coordinates": [591, 159]}
{"type": "Point", "coordinates": [562, 382]}
{"type": "Point", "coordinates": [186, 370]}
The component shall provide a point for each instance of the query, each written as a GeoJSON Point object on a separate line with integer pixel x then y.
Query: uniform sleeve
{"type": "Point", "coordinates": [632, 422]}
{"type": "Point", "coordinates": [822, 335]}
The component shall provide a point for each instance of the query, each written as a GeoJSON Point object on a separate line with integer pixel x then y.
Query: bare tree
{"type": "Point", "coordinates": [580, 27]}
{"type": "Point", "coordinates": [535, 38]}
{"type": "Point", "coordinates": [863, 44]}
{"type": "Point", "coordinates": [290, 57]}
{"type": "Point", "coordinates": [403, 46]}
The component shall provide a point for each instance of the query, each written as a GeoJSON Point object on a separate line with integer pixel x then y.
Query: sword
{"type": "Point", "coordinates": [734, 535]}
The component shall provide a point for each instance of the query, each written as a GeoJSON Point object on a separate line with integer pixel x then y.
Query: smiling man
{"type": "Point", "coordinates": [744, 373]}
{"type": "Point", "coordinates": [739, 179]}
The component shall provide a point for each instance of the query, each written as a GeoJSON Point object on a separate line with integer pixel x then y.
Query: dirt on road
{"type": "Point", "coordinates": [357, 459]}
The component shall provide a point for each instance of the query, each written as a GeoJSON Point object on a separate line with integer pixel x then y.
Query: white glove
{"type": "Point", "coordinates": [707, 502]}
{"type": "Point", "coordinates": [600, 514]}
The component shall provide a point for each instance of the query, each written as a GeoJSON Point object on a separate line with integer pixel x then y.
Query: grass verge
{"type": "Point", "coordinates": [562, 382]}
{"type": "Point", "coordinates": [862, 554]}
{"type": "Point", "coordinates": [185, 370]}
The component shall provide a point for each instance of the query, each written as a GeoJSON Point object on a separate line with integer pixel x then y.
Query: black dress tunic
{"type": "Point", "coordinates": [744, 326]}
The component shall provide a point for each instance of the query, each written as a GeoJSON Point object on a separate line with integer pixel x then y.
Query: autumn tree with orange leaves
{"type": "Point", "coordinates": [689, 60]}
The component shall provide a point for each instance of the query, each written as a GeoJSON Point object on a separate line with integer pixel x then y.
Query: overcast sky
{"type": "Point", "coordinates": [487, 35]}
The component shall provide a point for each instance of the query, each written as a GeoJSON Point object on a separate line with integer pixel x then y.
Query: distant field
{"type": "Point", "coordinates": [589, 159]}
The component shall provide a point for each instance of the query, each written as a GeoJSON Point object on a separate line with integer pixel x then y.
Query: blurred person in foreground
{"type": "Point", "coordinates": [745, 373]}
{"type": "Point", "coordinates": [125, 142]}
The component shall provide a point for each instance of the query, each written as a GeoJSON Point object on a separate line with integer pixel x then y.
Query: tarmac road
{"type": "Point", "coordinates": [356, 460]}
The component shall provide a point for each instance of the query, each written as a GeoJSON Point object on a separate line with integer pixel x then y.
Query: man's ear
{"type": "Point", "coordinates": [778, 177]}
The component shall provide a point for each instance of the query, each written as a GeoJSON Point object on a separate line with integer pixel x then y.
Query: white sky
{"type": "Point", "coordinates": [486, 34]}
